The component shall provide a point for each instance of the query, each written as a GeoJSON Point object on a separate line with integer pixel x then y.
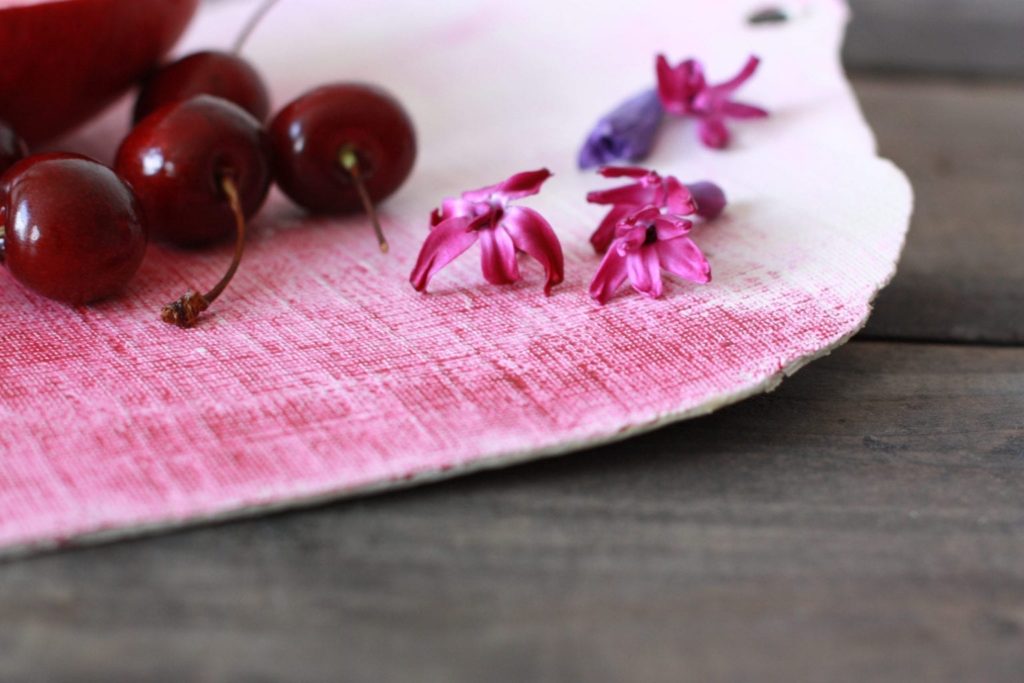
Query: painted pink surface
{"type": "Point", "coordinates": [321, 372]}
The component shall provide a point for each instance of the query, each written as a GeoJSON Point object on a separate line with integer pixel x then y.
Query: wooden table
{"type": "Point", "coordinates": [865, 522]}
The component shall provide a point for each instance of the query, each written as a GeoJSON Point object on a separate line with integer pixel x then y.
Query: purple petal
{"type": "Point", "coordinates": [516, 187]}
{"type": "Point", "coordinates": [498, 256]}
{"type": "Point", "coordinates": [444, 243]}
{"type": "Point", "coordinates": [645, 271]}
{"type": "Point", "coordinates": [530, 232]}
{"type": "Point", "coordinates": [710, 199]}
{"type": "Point", "coordinates": [628, 132]}
{"type": "Point", "coordinates": [682, 258]}
{"type": "Point", "coordinates": [605, 232]}
{"type": "Point", "coordinates": [609, 277]}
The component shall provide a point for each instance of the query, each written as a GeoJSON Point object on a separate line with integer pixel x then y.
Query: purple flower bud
{"type": "Point", "coordinates": [709, 197]}
{"type": "Point", "coordinates": [627, 133]}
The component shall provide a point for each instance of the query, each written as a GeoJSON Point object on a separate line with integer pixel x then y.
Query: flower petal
{"type": "Point", "coordinates": [670, 227]}
{"type": "Point", "coordinates": [498, 256]}
{"type": "Point", "coordinates": [600, 147]}
{"type": "Point", "coordinates": [678, 85]}
{"type": "Point", "coordinates": [644, 214]}
{"type": "Point", "coordinates": [713, 133]}
{"type": "Point", "coordinates": [450, 208]}
{"type": "Point", "coordinates": [683, 258]}
{"type": "Point", "coordinates": [668, 90]}
{"type": "Point", "coordinates": [631, 231]}
{"type": "Point", "coordinates": [628, 132]}
{"type": "Point", "coordinates": [605, 232]}
{"type": "Point", "coordinates": [481, 194]}
{"type": "Point", "coordinates": [745, 74]}
{"type": "Point", "coordinates": [713, 105]}
{"type": "Point", "coordinates": [516, 187]}
{"type": "Point", "coordinates": [609, 277]}
{"type": "Point", "coordinates": [444, 243]}
{"type": "Point", "coordinates": [624, 172]}
{"type": "Point", "coordinates": [628, 238]}
{"type": "Point", "coordinates": [634, 194]}
{"type": "Point", "coordinates": [645, 271]}
{"type": "Point", "coordinates": [709, 197]}
{"type": "Point", "coordinates": [530, 232]}
{"type": "Point", "coordinates": [676, 197]}
{"type": "Point", "coordinates": [739, 110]}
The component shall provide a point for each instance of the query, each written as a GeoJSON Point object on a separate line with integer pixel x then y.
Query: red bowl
{"type": "Point", "coordinates": [62, 61]}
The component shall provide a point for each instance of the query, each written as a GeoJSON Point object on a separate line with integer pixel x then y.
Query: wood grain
{"type": "Point", "coordinates": [965, 37]}
{"type": "Point", "coordinates": [962, 145]}
{"type": "Point", "coordinates": [862, 523]}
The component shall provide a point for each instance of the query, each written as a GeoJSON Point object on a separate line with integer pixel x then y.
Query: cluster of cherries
{"type": "Point", "coordinates": [197, 165]}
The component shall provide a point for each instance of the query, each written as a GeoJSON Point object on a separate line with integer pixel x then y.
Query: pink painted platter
{"type": "Point", "coordinates": [322, 374]}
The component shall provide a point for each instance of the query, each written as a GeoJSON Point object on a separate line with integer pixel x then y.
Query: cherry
{"type": "Point", "coordinates": [205, 73]}
{"type": "Point", "coordinates": [175, 160]}
{"type": "Point", "coordinates": [12, 148]}
{"type": "Point", "coordinates": [70, 228]}
{"type": "Point", "coordinates": [221, 74]}
{"type": "Point", "coordinates": [343, 147]}
{"type": "Point", "coordinates": [200, 168]}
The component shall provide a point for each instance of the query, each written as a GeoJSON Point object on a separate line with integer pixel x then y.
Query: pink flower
{"type": "Point", "coordinates": [647, 242]}
{"type": "Point", "coordinates": [684, 91]}
{"type": "Point", "coordinates": [484, 215]}
{"type": "Point", "coordinates": [679, 85]}
{"type": "Point", "coordinates": [704, 199]}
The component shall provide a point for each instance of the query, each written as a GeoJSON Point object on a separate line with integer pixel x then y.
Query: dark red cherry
{"type": "Point", "coordinates": [220, 74]}
{"type": "Point", "coordinates": [342, 147]}
{"type": "Point", "coordinates": [200, 168]}
{"type": "Point", "coordinates": [12, 148]}
{"type": "Point", "coordinates": [176, 159]}
{"type": "Point", "coordinates": [71, 229]}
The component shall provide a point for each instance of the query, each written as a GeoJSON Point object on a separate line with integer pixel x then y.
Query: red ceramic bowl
{"type": "Point", "coordinates": [61, 61]}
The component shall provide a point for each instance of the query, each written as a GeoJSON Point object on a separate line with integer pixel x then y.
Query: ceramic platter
{"type": "Point", "coordinates": [322, 374]}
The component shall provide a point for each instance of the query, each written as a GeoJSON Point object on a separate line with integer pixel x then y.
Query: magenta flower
{"type": "Point", "coordinates": [704, 199]}
{"type": "Point", "coordinates": [647, 242]}
{"type": "Point", "coordinates": [684, 91]}
{"type": "Point", "coordinates": [484, 215]}
{"type": "Point", "coordinates": [679, 85]}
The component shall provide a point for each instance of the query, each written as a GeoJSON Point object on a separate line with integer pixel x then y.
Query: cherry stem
{"type": "Point", "coordinates": [349, 161]}
{"type": "Point", "coordinates": [186, 310]}
{"type": "Point", "coordinates": [253, 23]}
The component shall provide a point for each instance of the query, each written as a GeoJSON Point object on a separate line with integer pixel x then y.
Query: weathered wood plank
{"type": "Point", "coordinates": [862, 523]}
{"type": "Point", "coordinates": [967, 37]}
{"type": "Point", "coordinates": [962, 145]}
